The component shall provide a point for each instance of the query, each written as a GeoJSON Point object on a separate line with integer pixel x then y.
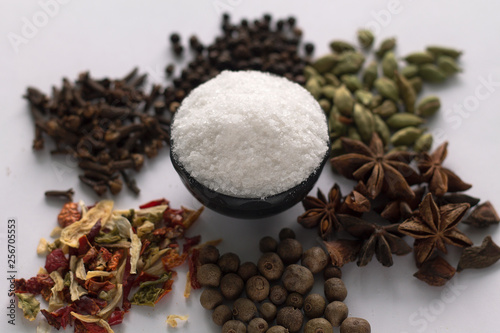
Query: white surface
{"type": "Point", "coordinates": [110, 37]}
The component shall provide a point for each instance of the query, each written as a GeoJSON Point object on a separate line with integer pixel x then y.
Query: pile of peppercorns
{"type": "Point", "coordinates": [276, 289]}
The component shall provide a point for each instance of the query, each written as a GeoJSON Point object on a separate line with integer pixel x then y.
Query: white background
{"type": "Point", "coordinates": [110, 37]}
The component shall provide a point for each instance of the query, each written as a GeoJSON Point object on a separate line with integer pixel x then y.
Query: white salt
{"type": "Point", "coordinates": [249, 134]}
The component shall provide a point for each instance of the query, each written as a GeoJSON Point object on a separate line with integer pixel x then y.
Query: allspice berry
{"type": "Point", "coordinates": [209, 254]}
{"type": "Point", "coordinates": [244, 309]}
{"type": "Point", "coordinates": [234, 326]}
{"type": "Point", "coordinates": [295, 300]}
{"type": "Point", "coordinates": [257, 288]}
{"type": "Point", "coordinates": [268, 311]}
{"type": "Point", "coordinates": [268, 244]}
{"type": "Point", "coordinates": [209, 275]}
{"type": "Point", "coordinates": [290, 251]}
{"type": "Point", "coordinates": [278, 294]}
{"type": "Point", "coordinates": [277, 329]}
{"type": "Point", "coordinates": [247, 270]}
{"type": "Point", "coordinates": [318, 325]}
{"type": "Point", "coordinates": [286, 233]}
{"type": "Point", "coordinates": [221, 314]}
{"type": "Point", "coordinates": [231, 286]}
{"type": "Point", "coordinates": [290, 318]}
{"type": "Point", "coordinates": [314, 306]}
{"type": "Point", "coordinates": [257, 325]}
{"type": "Point", "coordinates": [229, 262]}
{"type": "Point", "coordinates": [335, 290]}
{"type": "Point", "coordinates": [211, 298]}
{"type": "Point", "coordinates": [336, 312]}
{"type": "Point", "coordinates": [332, 272]}
{"type": "Point", "coordinates": [298, 278]}
{"type": "Point", "coordinates": [355, 325]}
{"type": "Point", "coordinates": [270, 266]}
{"type": "Point", "coordinates": [315, 259]}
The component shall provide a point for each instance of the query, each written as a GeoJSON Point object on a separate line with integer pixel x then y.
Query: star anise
{"type": "Point", "coordinates": [322, 211]}
{"type": "Point", "coordinates": [379, 240]}
{"type": "Point", "coordinates": [400, 208]}
{"type": "Point", "coordinates": [389, 172]}
{"type": "Point", "coordinates": [434, 226]}
{"type": "Point", "coordinates": [440, 179]}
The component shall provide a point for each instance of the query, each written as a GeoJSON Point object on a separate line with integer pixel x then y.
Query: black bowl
{"type": "Point", "coordinates": [246, 208]}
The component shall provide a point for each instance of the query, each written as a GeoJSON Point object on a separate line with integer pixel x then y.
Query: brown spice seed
{"type": "Point", "coordinates": [295, 300]}
{"type": "Point", "coordinates": [298, 278]}
{"type": "Point", "coordinates": [221, 314]}
{"type": "Point", "coordinates": [314, 306]}
{"type": "Point", "coordinates": [209, 275]}
{"type": "Point", "coordinates": [268, 244]}
{"type": "Point", "coordinates": [209, 254]}
{"type": "Point", "coordinates": [244, 309]}
{"type": "Point", "coordinates": [229, 262]}
{"type": "Point", "coordinates": [286, 233]}
{"type": "Point", "coordinates": [290, 318]}
{"type": "Point", "coordinates": [289, 250]}
{"type": "Point", "coordinates": [270, 266]}
{"type": "Point", "coordinates": [247, 270]}
{"type": "Point", "coordinates": [336, 312]}
{"type": "Point", "coordinates": [318, 325]}
{"type": "Point", "coordinates": [234, 326]}
{"type": "Point", "coordinates": [355, 325]}
{"type": "Point", "coordinates": [335, 290]}
{"type": "Point", "coordinates": [257, 288]}
{"type": "Point", "coordinates": [315, 259]}
{"type": "Point", "coordinates": [231, 286]}
{"type": "Point", "coordinates": [211, 298]}
{"type": "Point", "coordinates": [268, 311]}
{"type": "Point", "coordinates": [257, 325]}
{"type": "Point", "coordinates": [278, 295]}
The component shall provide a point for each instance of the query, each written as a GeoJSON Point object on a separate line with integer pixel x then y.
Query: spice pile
{"type": "Point", "coordinates": [101, 256]}
{"type": "Point", "coordinates": [382, 97]}
{"type": "Point", "coordinates": [279, 285]}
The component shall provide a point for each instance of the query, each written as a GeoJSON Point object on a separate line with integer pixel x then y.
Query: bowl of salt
{"type": "Point", "coordinates": [249, 144]}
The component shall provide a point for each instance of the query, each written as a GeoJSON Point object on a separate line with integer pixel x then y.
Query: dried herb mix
{"type": "Point", "coordinates": [107, 260]}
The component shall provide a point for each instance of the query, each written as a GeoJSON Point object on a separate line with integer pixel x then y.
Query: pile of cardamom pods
{"type": "Point", "coordinates": [382, 96]}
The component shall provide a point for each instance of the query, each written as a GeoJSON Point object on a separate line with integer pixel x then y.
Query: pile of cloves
{"type": "Point", "coordinates": [273, 295]}
{"type": "Point", "coordinates": [106, 125]}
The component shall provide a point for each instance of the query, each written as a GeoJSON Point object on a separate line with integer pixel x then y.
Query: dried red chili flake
{"type": "Point", "coordinates": [189, 242]}
{"type": "Point", "coordinates": [20, 286]}
{"type": "Point", "coordinates": [83, 327]}
{"type": "Point", "coordinates": [192, 261]}
{"type": "Point", "coordinates": [88, 306]}
{"type": "Point", "coordinates": [154, 203]}
{"type": "Point", "coordinates": [144, 277]}
{"type": "Point", "coordinates": [59, 318]}
{"type": "Point", "coordinates": [94, 231]}
{"type": "Point", "coordinates": [116, 317]}
{"type": "Point", "coordinates": [173, 217]}
{"type": "Point", "coordinates": [90, 255]}
{"type": "Point", "coordinates": [83, 245]}
{"type": "Point", "coordinates": [57, 261]}
{"type": "Point", "coordinates": [173, 259]}
{"type": "Point", "coordinates": [69, 214]}
{"type": "Point", "coordinates": [95, 287]}
{"type": "Point", "coordinates": [115, 260]}
{"type": "Point", "coordinates": [145, 245]}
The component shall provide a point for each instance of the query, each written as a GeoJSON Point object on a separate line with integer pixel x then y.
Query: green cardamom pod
{"type": "Point", "coordinates": [406, 92]}
{"type": "Point", "coordinates": [382, 129]}
{"type": "Point", "coordinates": [387, 45]}
{"type": "Point", "coordinates": [351, 81]}
{"type": "Point", "coordinates": [406, 136]}
{"type": "Point", "coordinates": [309, 72]}
{"type": "Point", "coordinates": [328, 91]}
{"type": "Point", "coordinates": [365, 124]}
{"type": "Point", "coordinates": [332, 79]}
{"type": "Point", "coordinates": [403, 119]}
{"type": "Point", "coordinates": [387, 88]}
{"type": "Point", "coordinates": [325, 63]}
{"type": "Point", "coordinates": [439, 50]}
{"type": "Point", "coordinates": [416, 83]}
{"type": "Point", "coordinates": [397, 149]}
{"type": "Point", "coordinates": [343, 100]}
{"type": "Point", "coordinates": [350, 62]}
{"type": "Point", "coordinates": [370, 74]}
{"type": "Point", "coordinates": [376, 102]}
{"type": "Point", "coordinates": [428, 106]}
{"type": "Point", "coordinates": [389, 64]}
{"type": "Point", "coordinates": [423, 143]}
{"type": "Point", "coordinates": [336, 148]}
{"type": "Point", "coordinates": [365, 38]}
{"type": "Point", "coordinates": [325, 104]}
{"type": "Point", "coordinates": [386, 109]}
{"type": "Point", "coordinates": [364, 97]}
{"type": "Point", "coordinates": [335, 126]}
{"type": "Point", "coordinates": [340, 46]}
{"type": "Point", "coordinates": [448, 65]}
{"type": "Point", "coordinates": [314, 87]}
{"type": "Point", "coordinates": [419, 58]}
{"type": "Point", "coordinates": [431, 73]}
{"type": "Point", "coordinates": [353, 134]}
{"type": "Point", "coordinates": [409, 71]}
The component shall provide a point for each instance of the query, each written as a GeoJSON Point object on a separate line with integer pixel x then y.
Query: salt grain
{"type": "Point", "coordinates": [249, 134]}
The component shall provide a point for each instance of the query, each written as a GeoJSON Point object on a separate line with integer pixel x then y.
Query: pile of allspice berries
{"type": "Point", "coordinates": [273, 295]}
{"type": "Point", "coordinates": [381, 96]}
